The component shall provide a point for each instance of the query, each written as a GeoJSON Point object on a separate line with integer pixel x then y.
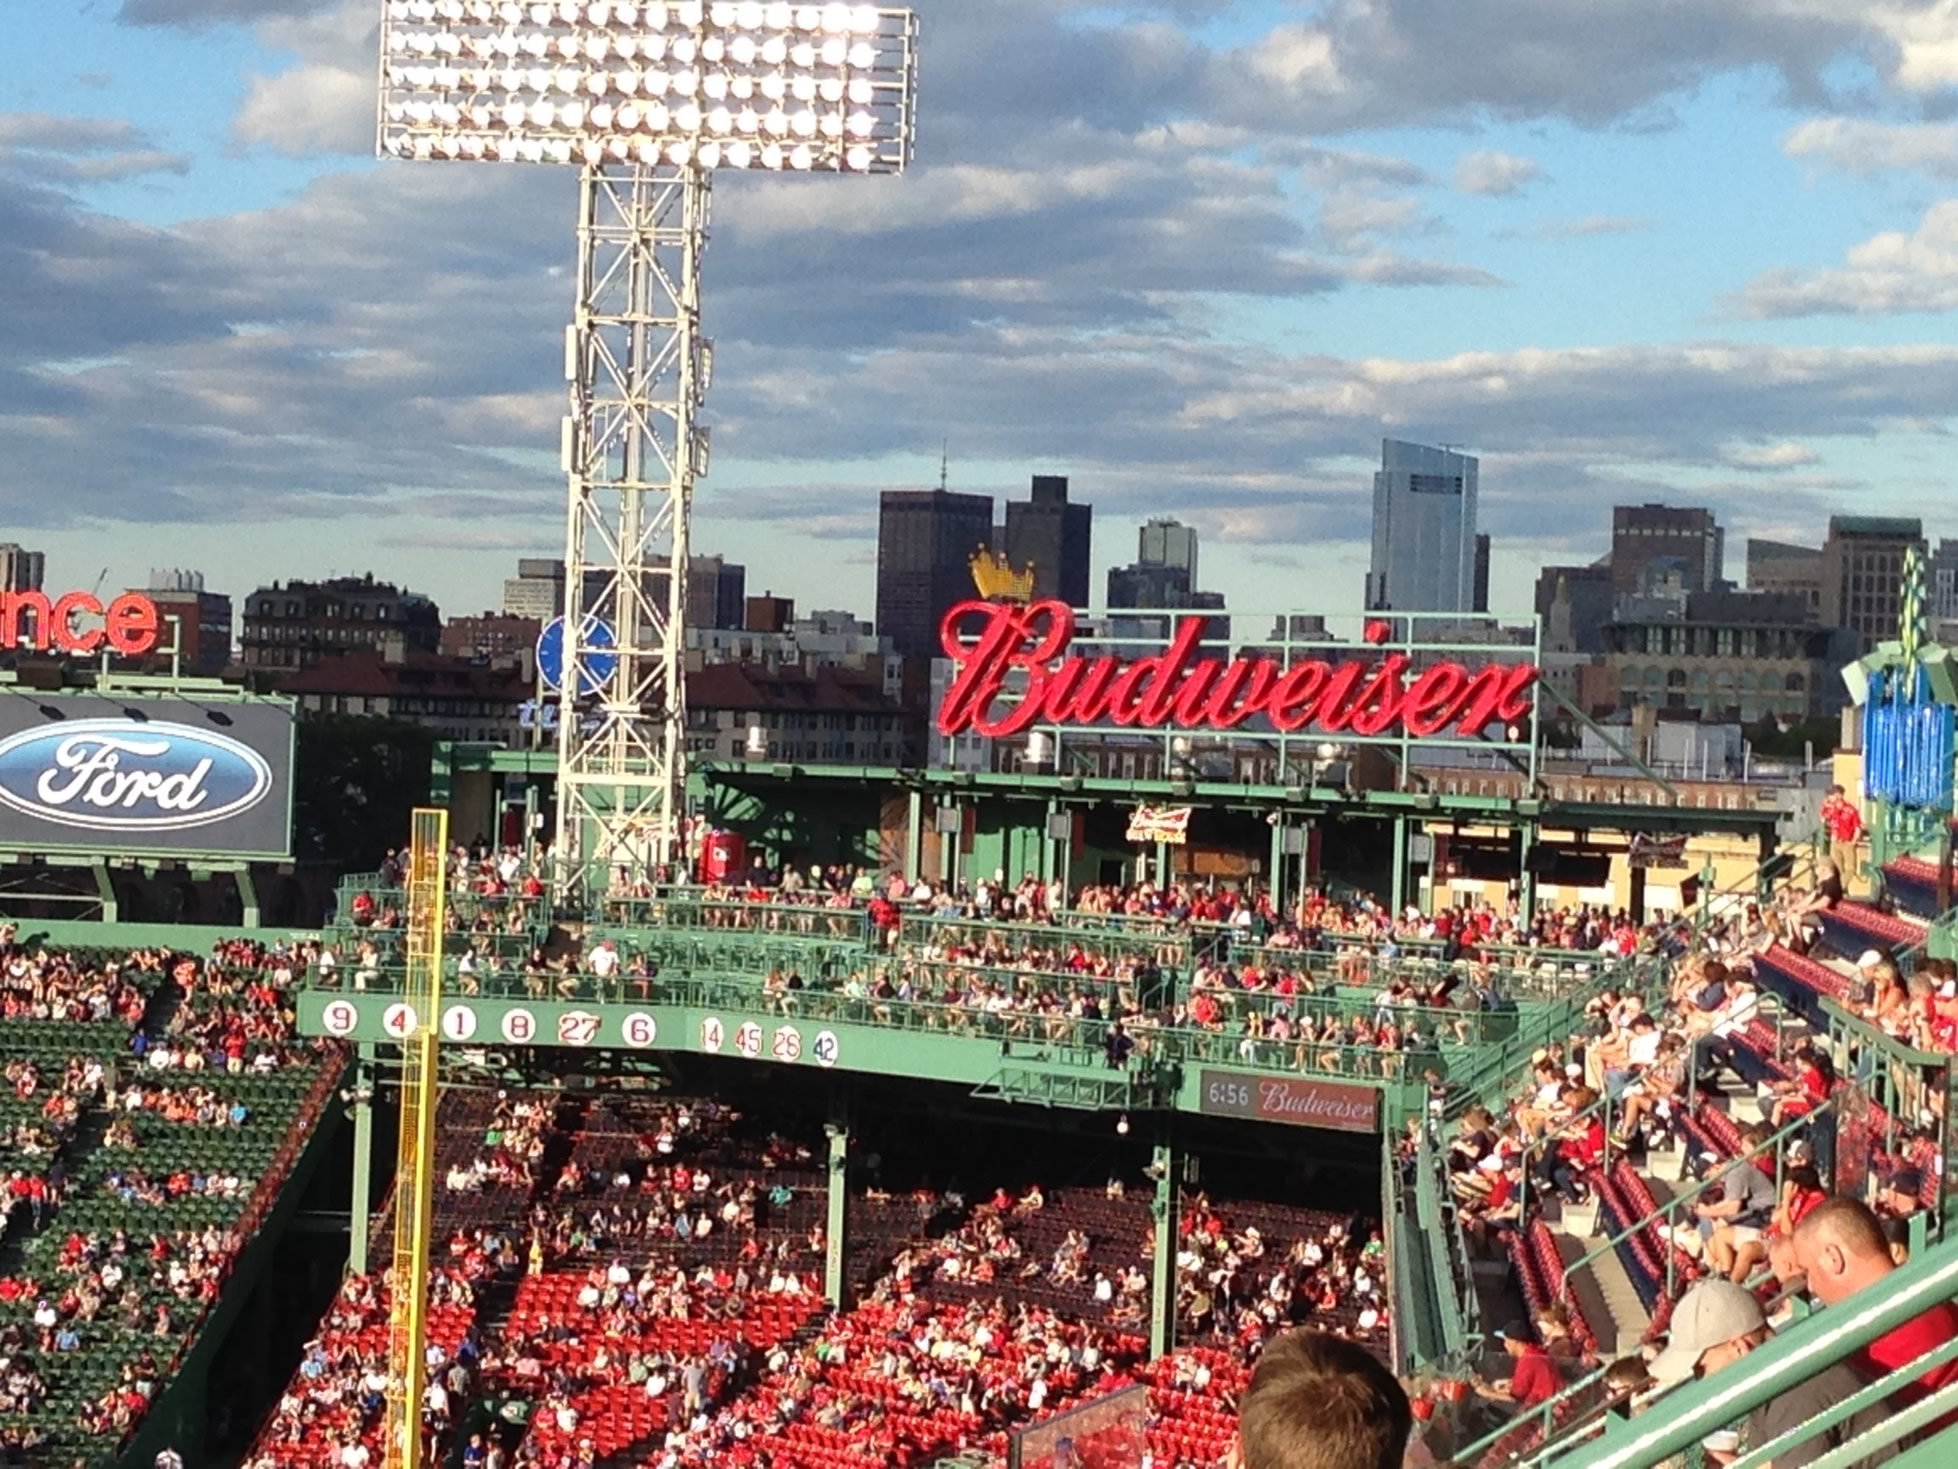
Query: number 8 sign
{"type": "Point", "coordinates": [519, 1027]}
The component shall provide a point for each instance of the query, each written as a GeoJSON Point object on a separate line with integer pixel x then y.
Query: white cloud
{"type": "Point", "coordinates": [308, 110]}
{"type": "Point", "coordinates": [1787, 454]}
{"type": "Point", "coordinates": [1895, 272]}
{"type": "Point", "coordinates": [81, 150]}
{"type": "Point", "coordinates": [1861, 145]}
{"type": "Point", "coordinates": [1590, 226]}
{"type": "Point", "coordinates": [1502, 174]}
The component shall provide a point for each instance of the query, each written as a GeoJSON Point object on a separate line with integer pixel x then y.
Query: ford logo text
{"type": "Point", "coordinates": [121, 775]}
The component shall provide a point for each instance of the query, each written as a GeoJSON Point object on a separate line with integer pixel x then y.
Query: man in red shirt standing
{"type": "Point", "coordinates": [1840, 1247]}
{"type": "Point", "coordinates": [1844, 823]}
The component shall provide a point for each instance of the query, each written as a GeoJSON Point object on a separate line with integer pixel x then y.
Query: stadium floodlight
{"type": "Point", "coordinates": [473, 80]}
{"type": "Point", "coordinates": [650, 98]}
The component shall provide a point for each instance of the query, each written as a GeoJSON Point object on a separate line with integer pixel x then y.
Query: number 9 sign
{"type": "Point", "coordinates": [339, 1018]}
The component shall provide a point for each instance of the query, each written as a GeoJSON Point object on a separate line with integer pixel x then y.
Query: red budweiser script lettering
{"type": "Point", "coordinates": [991, 642]}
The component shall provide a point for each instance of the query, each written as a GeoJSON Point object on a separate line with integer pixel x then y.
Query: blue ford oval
{"type": "Point", "coordinates": [121, 775]}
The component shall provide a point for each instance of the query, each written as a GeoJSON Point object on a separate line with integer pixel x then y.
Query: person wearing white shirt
{"type": "Point", "coordinates": [603, 960]}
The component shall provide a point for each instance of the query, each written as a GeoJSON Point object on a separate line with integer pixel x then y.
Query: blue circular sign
{"type": "Point", "coordinates": [598, 666]}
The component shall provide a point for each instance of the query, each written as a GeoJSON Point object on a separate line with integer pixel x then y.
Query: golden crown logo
{"type": "Point", "coordinates": [996, 579]}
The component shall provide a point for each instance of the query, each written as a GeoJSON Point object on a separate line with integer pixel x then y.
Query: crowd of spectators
{"type": "Point", "coordinates": [116, 1059]}
{"type": "Point", "coordinates": [1655, 1075]}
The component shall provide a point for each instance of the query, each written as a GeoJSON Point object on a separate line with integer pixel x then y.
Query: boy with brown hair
{"type": "Point", "coordinates": [1321, 1402]}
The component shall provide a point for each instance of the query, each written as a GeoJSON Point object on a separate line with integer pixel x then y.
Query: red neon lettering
{"type": "Point", "coordinates": [31, 620]}
{"type": "Point", "coordinates": [1024, 651]}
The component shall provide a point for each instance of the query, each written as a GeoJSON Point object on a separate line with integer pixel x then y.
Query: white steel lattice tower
{"type": "Point", "coordinates": [638, 370]}
{"type": "Point", "coordinates": [649, 100]}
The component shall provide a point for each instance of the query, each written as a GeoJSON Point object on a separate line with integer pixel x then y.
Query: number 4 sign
{"type": "Point", "coordinates": [399, 1020]}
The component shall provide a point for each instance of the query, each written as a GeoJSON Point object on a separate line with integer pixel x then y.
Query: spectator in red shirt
{"type": "Point", "coordinates": [1534, 1380]}
{"type": "Point", "coordinates": [1841, 1248]}
{"type": "Point", "coordinates": [1845, 827]}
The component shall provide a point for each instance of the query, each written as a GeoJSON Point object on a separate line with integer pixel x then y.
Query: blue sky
{"type": "Point", "coordinates": [1200, 256]}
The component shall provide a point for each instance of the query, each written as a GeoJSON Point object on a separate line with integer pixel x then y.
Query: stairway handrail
{"type": "Point", "coordinates": [1792, 1357]}
{"type": "Point", "coordinates": [1772, 1143]}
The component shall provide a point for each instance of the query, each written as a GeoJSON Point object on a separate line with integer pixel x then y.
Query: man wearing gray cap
{"type": "Point", "coordinates": [1715, 1325]}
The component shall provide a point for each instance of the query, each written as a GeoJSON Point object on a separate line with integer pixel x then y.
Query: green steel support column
{"type": "Point", "coordinates": [1277, 867]}
{"type": "Point", "coordinates": [1162, 864]}
{"type": "Point", "coordinates": [1526, 879]}
{"type": "Point", "coordinates": [1162, 1278]}
{"type": "Point", "coordinates": [839, 1200]}
{"type": "Point", "coordinates": [914, 837]}
{"type": "Point", "coordinates": [105, 889]}
{"type": "Point", "coordinates": [1399, 886]}
{"type": "Point", "coordinates": [248, 896]}
{"type": "Point", "coordinates": [360, 1226]}
{"type": "Point", "coordinates": [1047, 842]}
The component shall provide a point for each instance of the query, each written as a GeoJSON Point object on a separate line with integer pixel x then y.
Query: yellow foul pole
{"type": "Point", "coordinates": [414, 1187]}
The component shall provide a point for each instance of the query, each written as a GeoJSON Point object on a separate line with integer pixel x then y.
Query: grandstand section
{"type": "Point", "coordinates": [982, 1141]}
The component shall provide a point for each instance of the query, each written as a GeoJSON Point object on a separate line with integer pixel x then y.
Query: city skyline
{"type": "Point", "coordinates": [1143, 279]}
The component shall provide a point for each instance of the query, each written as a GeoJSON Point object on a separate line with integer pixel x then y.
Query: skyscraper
{"type": "Point", "coordinates": [1863, 572]}
{"type": "Point", "coordinates": [1479, 597]}
{"type": "Point", "coordinates": [1641, 534]}
{"type": "Point", "coordinates": [1165, 541]}
{"type": "Point", "coordinates": [925, 542]}
{"type": "Point", "coordinates": [536, 591]}
{"type": "Point", "coordinates": [21, 570]}
{"type": "Point", "coordinates": [1054, 537]}
{"type": "Point", "coordinates": [1423, 530]}
{"type": "Point", "coordinates": [1777, 566]}
{"type": "Point", "coordinates": [717, 592]}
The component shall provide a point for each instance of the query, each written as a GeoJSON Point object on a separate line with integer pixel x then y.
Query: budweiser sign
{"type": "Point", "coordinates": [1294, 1100]}
{"type": "Point", "coordinates": [1015, 673]}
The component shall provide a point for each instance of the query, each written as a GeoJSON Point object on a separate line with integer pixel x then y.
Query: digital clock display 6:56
{"type": "Point", "coordinates": [1234, 1096]}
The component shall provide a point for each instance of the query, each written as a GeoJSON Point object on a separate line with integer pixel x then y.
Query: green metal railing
{"type": "Point", "coordinates": [1676, 1421]}
{"type": "Point", "coordinates": [852, 1003]}
{"type": "Point", "coordinates": [1683, 1202]}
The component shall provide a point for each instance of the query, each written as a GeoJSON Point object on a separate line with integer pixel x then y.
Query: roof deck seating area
{"type": "Point", "coordinates": [144, 1148]}
{"type": "Point", "coordinates": [1911, 886]}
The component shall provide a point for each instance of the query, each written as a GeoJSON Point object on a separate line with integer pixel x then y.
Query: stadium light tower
{"type": "Point", "coordinates": [650, 100]}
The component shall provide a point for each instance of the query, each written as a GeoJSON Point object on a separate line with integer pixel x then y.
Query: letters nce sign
{"type": "Point", "coordinates": [1295, 1100]}
{"type": "Point", "coordinates": [128, 625]}
{"type": "Point", "coordinates": [1176, 689]}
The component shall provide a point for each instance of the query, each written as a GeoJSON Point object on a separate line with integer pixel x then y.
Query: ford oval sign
{"type": "Point", "coordinates": [125, 775]}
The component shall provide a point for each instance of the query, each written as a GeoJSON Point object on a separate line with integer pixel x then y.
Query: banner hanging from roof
{"type": "Point", "coordinates": [1169, 824]}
